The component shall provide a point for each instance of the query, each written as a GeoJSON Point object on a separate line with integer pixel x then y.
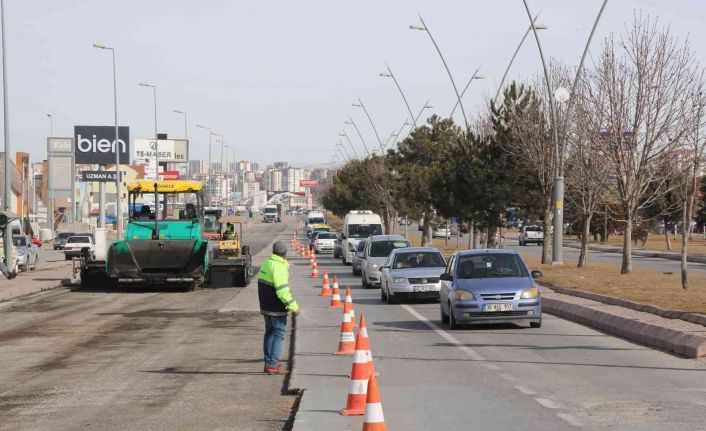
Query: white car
{"type": "Point", "coordinates": [325, 242]}
{"type": "Point", "coordinates": [440, 231]}
{"type": "Point", "coordinates": [75, 244]}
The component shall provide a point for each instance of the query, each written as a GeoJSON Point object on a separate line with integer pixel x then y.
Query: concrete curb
{"type": "Point", "coordinates": [661, 312]}
{"type": "Point", "coordinates": [680, 343]}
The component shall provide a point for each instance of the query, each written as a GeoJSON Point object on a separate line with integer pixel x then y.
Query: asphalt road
{"type": "Point", "coordinates": [138, 360]}
{"type": "Point", "coordinates": [502, 377]}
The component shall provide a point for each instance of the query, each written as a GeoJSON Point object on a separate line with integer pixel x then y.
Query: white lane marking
{"type": "Point", "coordinates": [525, 390]}
{"type": "Point", "coordinates": [548, 403]}
{"type": "Point", "coordinates": [448, 337]}
{"type": "Point", "coordinates": [569, 419]}
{"type": "Point", "coordinates": [507, 377]}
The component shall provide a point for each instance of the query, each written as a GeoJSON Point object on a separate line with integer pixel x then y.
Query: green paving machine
{"type": "Point", "coordinates": [163, 245]}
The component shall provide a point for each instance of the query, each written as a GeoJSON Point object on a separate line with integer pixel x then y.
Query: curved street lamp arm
{"type": "Point", "coordinates": [448, 71]}
{"type": "Point", "coordinates": [512, 60]}
{"type": "Point", "coordinates": [359, 134]}
{"type": "Point", "coordinates": [392, 75]}
{"type": "Point", "coordinates": [464, 90]}
{"type": "Point", "coordinates": [371, 122]}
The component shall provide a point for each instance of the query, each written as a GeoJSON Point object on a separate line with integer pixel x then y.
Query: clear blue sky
{"type": "Point", "coordinates": [278, 78]}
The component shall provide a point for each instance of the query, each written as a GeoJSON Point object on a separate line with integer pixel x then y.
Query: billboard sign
{"type": "Point", "coordinates": [99, 176]}
{"type": "Point", "coordinates": [169, 150]}
{"type": "Point", "coordinates": [169, 175]}
{"type": "Point", "coordinates": [309, 183]}
{"type": "Point", "coordinates": [95, 145]}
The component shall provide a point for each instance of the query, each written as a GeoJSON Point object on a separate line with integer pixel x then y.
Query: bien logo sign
{"type": "Point", "coordinates": [95, 145]}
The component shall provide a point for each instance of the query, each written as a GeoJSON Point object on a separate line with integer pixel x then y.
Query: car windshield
{"type": "Point", "coordinates": [79, 240]}
{"type": "Point", "coordinates": [210, 223]}
{"type": "Point", "coordinates": [533, 229]}
{"type": "Point", "coordinates": [316, 220]}
{"type": "Point", "coordinates": [65, 235]}
{"type": "Point", "coordinates": [364, 230]}
{"type": "Point", "coordinates": [424, 259]}
{"type": "Point", "coordinates": [20, 241]}
{"type": "Point", "coordinates": [383, 248]}
{"type": "Point", "coordinates": [491, 266]}
{"type": "Point", "coordinates": [326, 235]}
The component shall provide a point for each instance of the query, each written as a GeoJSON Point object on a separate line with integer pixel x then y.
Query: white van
{"type": "Point", "coordinates": [359, 224]}
{"type": "Point", "coordinates": [313, 218]}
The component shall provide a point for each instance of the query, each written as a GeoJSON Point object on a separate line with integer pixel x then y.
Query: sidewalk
{"type": "Point", "coordinates": [669, 255]}
{"type": "Point", "coordinates": [49, 276]}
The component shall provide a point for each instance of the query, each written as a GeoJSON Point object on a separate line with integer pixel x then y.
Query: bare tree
{"type": "Point", "coordinates": [587, 173]}
{"type": "Point", "coordinates": [531, 126]}
{"type": "Point", "coordinates": [638, 93]}
{"type": "Point", "coordinates": [690, 159]}
{"type": "Point", "coordinates": [378, 181]}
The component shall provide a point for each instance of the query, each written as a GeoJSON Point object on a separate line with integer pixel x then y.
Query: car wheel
{"type": "Point", "coordinates": [452, 320]}
{"type": "Point", "coordinates": [36, 263]}
{"type": "Point", "coordinates": [537, 324]}
{"type": "Point", "coordinates": [383, 297]}
{"type": "Point", "coordinates": [24, 268]}
{"type": "Point", "coordinates": [444, 316]}
{"type": "Point", "coordinates": [365, 282]}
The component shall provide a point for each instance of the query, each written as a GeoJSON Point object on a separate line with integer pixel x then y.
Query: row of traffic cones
{"type": "Point", "coordinates": [363, 392]}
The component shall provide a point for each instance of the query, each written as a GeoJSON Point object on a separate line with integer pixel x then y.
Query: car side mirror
{"type": "Point", "coordinates": [446, 277]}
{"type": "Point", "coordinates": [537, 274]}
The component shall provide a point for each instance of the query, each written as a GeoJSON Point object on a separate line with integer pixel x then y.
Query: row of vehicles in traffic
{"type": "Point", "coordinates": [472, 286]}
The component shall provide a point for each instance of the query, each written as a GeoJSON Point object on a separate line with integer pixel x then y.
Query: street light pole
{"type": "Point", "coordinates": [558, 198]}
{"type": "Point", "coordinates": [7, 204]}
{"type": "Point", "coordinates": [474, 77]}
{"type": "Point", "coordinates": [360, 105]}
{"type": "Point", "coordinates": [425, 28]}
{"type": "Point", "coordinates": [186, 137]}
{"type": "Point", "coordinates": [389, 74]}
{"type": "Point", "coordinates": [343, 133]}
{"type": "Point", "coordinates": [208, 189]}
{"type": "Point", "coordinates": [512, 59]}
{"type": "Point", "coordinates": [157, 217]}
{"type": "Point", "coordinates": [220, 163]}
{"type": "Point", "coordinates": [50, 183]}
{"type": "Point", "coordinates": [118, 206]}
{"type": "Point", "coordinates": [344, 149]}
{"type": "Point", "coordinates": [357, 130]}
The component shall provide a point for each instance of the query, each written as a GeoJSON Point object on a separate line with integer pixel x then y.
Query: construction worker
{"type": "Point", "coordinates": [276, 302]}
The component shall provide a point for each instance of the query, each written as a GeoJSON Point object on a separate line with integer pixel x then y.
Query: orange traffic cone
{"type": "Point", "coordinates": [360, 373]}
{"type": "Point", "coordinates": [325, 289]}
{"type": "Point", "coordinates": [348, 303]}
{"type": "Point", "coordinates": [346, 345]}
{"type": "Point", "coordinates": [325, 282]}
{"type": "Point", "coordinates": [374, 419]}
{"type": "Point", "coordinates": [325, 272]}
{"type": "Point", "coordinates": [335, 296]}
{"type": "Point", "coordinates": [365, 344]}
{"type": "Point", "coordinates": [315, 272]}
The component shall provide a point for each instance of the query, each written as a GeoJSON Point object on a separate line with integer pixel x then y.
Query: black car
{"type": "Point", "coordinates": [60, 240]}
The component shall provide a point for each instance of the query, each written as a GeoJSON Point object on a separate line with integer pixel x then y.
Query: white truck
{"type": "Point", "coordinates": [531, 234]}
{"type": "Point", "coordinates": [358, 225]}
{"type": "Point", "coordinates": [269, 214]}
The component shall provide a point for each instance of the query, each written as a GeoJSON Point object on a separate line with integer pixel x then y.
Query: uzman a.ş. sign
{"type": "Point", "coordinates": [98, 176]}
{"type": "Point", "coordinates": [95, 145]}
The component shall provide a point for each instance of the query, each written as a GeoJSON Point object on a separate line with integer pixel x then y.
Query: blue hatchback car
{"type": "Point", "coordinates": [489, 286]}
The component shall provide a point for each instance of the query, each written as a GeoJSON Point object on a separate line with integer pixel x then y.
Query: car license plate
{"type": "Point", "coordinates": [424, 288]}
{"type": "Point", "coordinates": [497, 307]}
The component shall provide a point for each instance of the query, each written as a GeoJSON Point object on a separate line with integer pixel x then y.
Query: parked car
{"type": "Point", "coordinates": [324, 242]}
{"type": "Point", "coordinates": [489, 286]}
{"type": "Point", "coordinates": [359, 257]}
{"type": "Point", "coordinates": [531, 234]}
{"type": "Point", "coordinates": [412, 273]}
{"type": "Point", "coordinates": [377, 251]}
{"type": "Point", "coordinates": [75, 244]}
{"type": "Point", "coordinates": [60, 240]}
{"type": "Point", "coordinates": [440, 231]}
{"type": "Point", "coordinates": [26, 251]}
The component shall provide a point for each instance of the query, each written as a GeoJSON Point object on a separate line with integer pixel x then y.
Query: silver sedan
{"type": "Point", "coordinates": [412, 273]}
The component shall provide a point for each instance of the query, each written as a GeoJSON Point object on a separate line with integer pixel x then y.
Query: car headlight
{"type": "Point", "coordinates": [375, 266]}
{"type": "Point", "coordinates": [399, 280]}
{"type": "Point", "coordinates": [530, 293]}
{"type": "Point", "coordinates": [463, 295]}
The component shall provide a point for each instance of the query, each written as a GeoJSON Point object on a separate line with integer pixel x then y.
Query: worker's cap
{"type": "Point", "coordinates": [280, 248]}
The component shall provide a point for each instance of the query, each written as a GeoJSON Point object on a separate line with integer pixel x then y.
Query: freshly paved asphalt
{"type": "Point", "coordinates": [138, 360]}
{"type": "Point", "coordinates": [561, 376]}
